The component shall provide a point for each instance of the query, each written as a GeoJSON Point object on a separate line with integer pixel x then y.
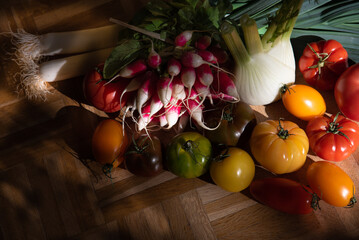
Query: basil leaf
{"type": "Point", "coordinates": [125, 53]}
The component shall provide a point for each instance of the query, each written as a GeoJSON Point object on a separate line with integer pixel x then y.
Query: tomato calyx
{"type": "Point", "coordinates": [352, 201]}
{"type": "Point", "coordinates": [138, 148]}
{"type": "Point", "coordinates": [322, 59]}
{"type": "Point", "coordinates": [282, 133]}
{"type": "Point", "coordinates": [223, 155]}
{"type": "Point", "coordinates": [334, 127]}
{"type": "Point", "coordinates": [314, 203]}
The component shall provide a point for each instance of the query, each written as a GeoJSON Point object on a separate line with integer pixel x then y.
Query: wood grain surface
{"type": "Point", "coordinates": [50, 189]}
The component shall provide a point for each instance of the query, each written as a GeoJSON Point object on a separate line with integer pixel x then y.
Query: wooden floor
{"type": "Point", "coordinates": [49, 189]}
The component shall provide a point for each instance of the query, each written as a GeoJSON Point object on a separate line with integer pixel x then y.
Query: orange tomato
{"type": "Point", "coordinates": [109, 143]}
{"type": "Point", "coordinates": [303, 102]}
{"type": "Point", "coordinates": [331, 184]}
{"type": "Point", "coordinates": [279, 146]}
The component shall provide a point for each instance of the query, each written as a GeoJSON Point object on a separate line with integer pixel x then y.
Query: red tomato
{"type": "Point", "coordinates": [105, 97]}
{"type": "Point", "coordinates": [333, 138]}
{"type": "Point", "coordinates": [346, 92]}
{"type": "Point", "coordinates": [322, 63]}
{"type": "Point", "coordinates": [284, 195]}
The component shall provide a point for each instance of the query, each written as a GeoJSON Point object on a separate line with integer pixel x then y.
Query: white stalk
{"type": "Point", "coordinates": [33, 78]}
{"type": "Point", "coordinates": [33, 47]}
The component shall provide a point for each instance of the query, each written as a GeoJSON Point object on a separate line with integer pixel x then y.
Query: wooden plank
{"type": "Point", "coordinates": [45, 199]}
{"type": "Point", "coordinates": [227, 205]}
{"type": "Point", "coordinates": [56, 170]}
{"type": "Point", "coordinates": [20, 218]}
{"type": "Point", "coordinates": [150, 197]}
{"type": "Point", "coordinates": [150, 223]}
{"type": "Point", "coordinates": [261, 222]}
{"type": "Point", "coordinates": [196, 216]}
{"type": "Point", "coordinates": [177, 219]}
{"type": "Point", "coordinates": [51, 17]}
{"type": "Point", "coordinates": [130, 186]}
{"type": "Point", "coordinates": [81, 193]}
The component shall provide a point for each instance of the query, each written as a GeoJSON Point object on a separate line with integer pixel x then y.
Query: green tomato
{"type": "Point", "coordinates": [188, 155]}
{"type": "Point", "coordinates": [234, 170]}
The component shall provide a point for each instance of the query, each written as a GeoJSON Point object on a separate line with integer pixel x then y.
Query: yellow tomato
{"type": "Point", "coordinates": [331, 184]}
{"type": "Point", "coordinates": [279, 146]}
{"type": "Point", "coordinates": [235, 171]}
{"type": "Point", "coordinates": [109, 143]}
{"type": "Point", "coordinates": [302, 101]}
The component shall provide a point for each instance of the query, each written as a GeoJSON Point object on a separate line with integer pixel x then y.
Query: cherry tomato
{"type": "Point", "coordinates": [331, 184]}
{"type": "Point", "coordinates": [279, 146]}
{"type": "Point", "coordinates": [233, 170]}
{"type": "Point", "coordinates": [333, 138]}
{"type": "Point", "coordinates": [346, 92]}
{"type": "Point", "coordinates": [322, 63]}
{"type": "Point", "coordinates": [188, 155]}
{"type": "Point", "coordinates": [103, 95]}
{"type": "Point", "coordinates": [236, 124]}
{"type": "Point", "coordinates": [109, 143]}
{"type": "Point", "coordinates": [144, 156]}
{"type": "Point", "coordinates": [284, 195]}
{"type": "Point", "coordinates": [303, 102]}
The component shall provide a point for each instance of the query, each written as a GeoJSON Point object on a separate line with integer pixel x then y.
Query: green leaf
{"type": "Point", "coordinates": [123, 54]}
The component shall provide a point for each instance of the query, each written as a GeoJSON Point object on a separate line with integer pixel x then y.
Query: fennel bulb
{"type": "Point", "coordinates": [263, 65]}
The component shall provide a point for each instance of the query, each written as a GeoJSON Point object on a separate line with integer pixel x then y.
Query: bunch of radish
{"type": "Point", "coordinates": [164, 89]}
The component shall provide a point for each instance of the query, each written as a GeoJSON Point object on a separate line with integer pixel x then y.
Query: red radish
{"type": "Point", "coordinates": [162, 118]}
{"type": "Point", "coordinates": [145, 92]}
{"type": "Point", "coordinates": [195, 110]}
{"type": "Point", "coordinates": [183, 38]}
{"type": "Point", "coordinates": [154, 59]}
{"type": "Point", "coordinates": [202, 90]}
{"type": "Point", "coordinates": [222, 83]}
{"type": "Point", "coordinates": [133, 85]}
{"type": "Point", "coordinates": [204, 74]}
{"type": "Point", "coordinates": [164, 90]}
{"type": "Point", "coordinates": [188, 77]}
{"type": "Point", "coordinates": [207, 56]}
{"type": "Point", "coordinates": [156, 104]}
{"type": "Point", "coordinates": [220, 54]}
{"type": "Point", "coordinates": [172, 114]}
{"type": "Point", "coordinates": [178, 90]}
{"type": "Point", "coordinates": [145, 118]}
{"type": "Point", "coordinates": [173, 67]}
{"type": "Point", "coordinates": [133, 69]}
{"type": "Point", "coordinates": [203, 42]}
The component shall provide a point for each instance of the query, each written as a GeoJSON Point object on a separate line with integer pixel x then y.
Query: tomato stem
{"type": "Point", "coordinates": [321, 61]}
{"type": "Point", "coordinates": [282, 133]}
{"type": "Point", "coordinates": [334, 127]}
{"type": "Point", "coordinates": [315, 199]}
{"type": "Point", "coordinates": [352, 201]}
{"type": "Point", "coordinates": [286, 88]}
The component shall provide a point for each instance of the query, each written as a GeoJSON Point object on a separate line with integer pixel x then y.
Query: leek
{"type": "Point", "coordinates": [263, 65]}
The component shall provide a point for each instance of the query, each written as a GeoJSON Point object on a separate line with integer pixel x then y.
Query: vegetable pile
{"type": "Point", "coordinates": [185, 60]}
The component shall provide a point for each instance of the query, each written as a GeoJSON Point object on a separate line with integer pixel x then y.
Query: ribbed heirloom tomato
{"type": "Point", "coordinates": [233, 170]}
{"type": "Point", "coordinates": [331, 184]}
{"type": "Point", "coordinates": [109, 143]}
{"type": "Point", "coordinates": [333, 138]}
{"type": "Point", "coordinates": [303, 102]}
{"type": "Point", "coordinates": [279, 146]}
{"type": "Point", "coordinates": [322, 63]}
